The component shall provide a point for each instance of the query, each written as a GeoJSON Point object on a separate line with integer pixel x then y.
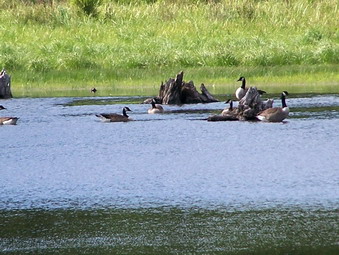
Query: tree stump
{"type": "Point", "coordinates": [176, 91]}
{"type": "Point", "coordinates": [5, 85]}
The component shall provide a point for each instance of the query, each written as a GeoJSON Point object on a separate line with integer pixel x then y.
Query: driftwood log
{"type": "Point", "coordinates": [248, 108]}
{"type": "Point", "coordinates": [176, 91]}
{"type": "Point", "coordinates": [5, 85]}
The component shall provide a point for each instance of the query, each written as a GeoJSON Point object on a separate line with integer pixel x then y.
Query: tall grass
{"type": "Point", "coordinates": [47, 38]}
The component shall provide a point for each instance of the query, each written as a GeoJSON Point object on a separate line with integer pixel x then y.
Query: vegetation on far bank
{"type": "Point", "coordinates": [51, 44]}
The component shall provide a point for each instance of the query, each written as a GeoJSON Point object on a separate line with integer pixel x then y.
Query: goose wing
{"type": "Point", "coordinates": [270, 111]}
{"type": "Point", "coordinates": [159, 107]}
{"type": "Point", "coordinates": [110, 115]}
{"type": "Point", "coordinates": [113, 117]}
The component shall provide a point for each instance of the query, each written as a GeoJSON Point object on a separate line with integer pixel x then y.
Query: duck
{"type": "Point", "coordinates": [2, 107]}
{"type": "Point", "coordinates": [276, 114]}
{"type": "Point", "coordinates": [242, 90]}
{"type": "Point", "coordinates": [8, 120]}
{"type": "Point", "coordinates": [156, 108]}
{"type": "Point", "coordinates": [114, 117]}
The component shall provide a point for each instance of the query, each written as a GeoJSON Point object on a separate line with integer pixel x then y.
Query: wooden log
{"type": "Point", "coordinates": [222, 118]}
{"type": "Point", "coordinates": [5, 85]}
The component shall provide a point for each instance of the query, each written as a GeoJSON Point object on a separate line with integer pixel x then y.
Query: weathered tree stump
{"type": "Point", "coordinates": [5, 85]}
{"type": "Point", "coordinates": [176, 91]}
{"type": "Point", "coordinates": [248, 108]}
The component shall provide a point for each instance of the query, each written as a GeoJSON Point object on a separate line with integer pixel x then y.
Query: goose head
{"type": "Point", "coordinates": [153, 103]}
{"type": "Point", "coordinates": [243, 80]}
{"type": "Point", "coordinates": [284, 93]}
{"type": "Point", "coordinates": [124, 110]}
{"type": "Point", "coordinates": [230, 101]}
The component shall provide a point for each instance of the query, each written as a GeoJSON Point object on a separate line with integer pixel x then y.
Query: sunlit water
{"type": "Point", "coordinates": [167, 184]}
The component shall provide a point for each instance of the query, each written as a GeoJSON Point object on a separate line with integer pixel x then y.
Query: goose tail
{"type": "Point", "coordinates": [261, 118]}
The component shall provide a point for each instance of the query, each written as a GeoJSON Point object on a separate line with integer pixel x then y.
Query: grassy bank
{"type": "Point", "coordinates": [51, 45]}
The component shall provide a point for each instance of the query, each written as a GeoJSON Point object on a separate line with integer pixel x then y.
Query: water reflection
{"type": "Point", "coordinates": [169, 231]}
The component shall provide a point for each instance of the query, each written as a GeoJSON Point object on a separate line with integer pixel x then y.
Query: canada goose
{"type": "Point", "coordinates": [229, 110]}
{"type": "Point", "coordinates": [241, 91]}
{"type": "Point", "coordinates": [93, 90]}
{"type": "Point", "coordinates": [156, 108]}
{"type": "Point", "coordinates": [276, 114]}
{"type": "Point", "coordinates": [8, 120]}
{"type": "Point", "coordinates": [2, 107]}
{"type": "Point", "coordinates": [114, 117]}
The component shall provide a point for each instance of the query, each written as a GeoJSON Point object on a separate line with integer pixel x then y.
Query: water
{"type": "Point", "coordinates": [168, 184]}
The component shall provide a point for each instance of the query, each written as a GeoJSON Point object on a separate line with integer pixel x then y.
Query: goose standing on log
{"type": "Point", "coordinates": [114, 117]}
{"type": "Point", "coordinates": [242, 90]}
{"type": "Point", "coordinates": [155, 108]}
{"type": "Point", "coordinates": [276, 114]}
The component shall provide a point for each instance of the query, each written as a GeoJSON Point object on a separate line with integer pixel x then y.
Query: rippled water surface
{"type": "Point", "coordinates": [168, 184]}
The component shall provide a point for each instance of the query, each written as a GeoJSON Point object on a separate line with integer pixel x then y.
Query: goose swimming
{"type": "Point", "coordinates": [155, 108]}
{"type": "Point", "coordinates": [276, 114]}
{"type": "Point", "coordinates": [8, 120]}
{"type": "Point", "coordinates": [114, 117]}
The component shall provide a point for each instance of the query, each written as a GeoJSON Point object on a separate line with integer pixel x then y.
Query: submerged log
{"type": "Point", "coordinates": [176, 91]}
{"type": "Point", "coordinates": [5, 85]}
{"type": "Point", "coordinates": [222, 118]}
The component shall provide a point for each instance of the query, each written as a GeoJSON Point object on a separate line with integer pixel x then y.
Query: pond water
{"type": "Point", "coordinates": [168, 184]}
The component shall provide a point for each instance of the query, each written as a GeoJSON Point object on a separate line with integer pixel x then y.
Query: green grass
{"type": "Point", "coordinates": [131, 46]}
